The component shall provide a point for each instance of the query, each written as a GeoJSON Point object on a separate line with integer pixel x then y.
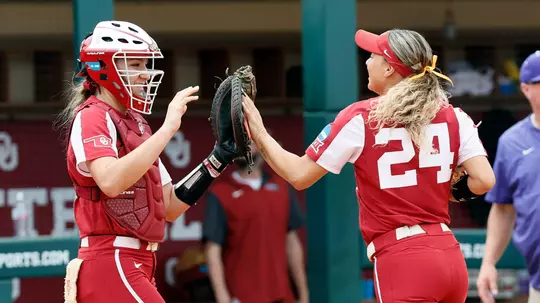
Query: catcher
{"type": "Point", "coordinates": [404, 146]}
{"type": "Point", "coordinates": [125, 195]}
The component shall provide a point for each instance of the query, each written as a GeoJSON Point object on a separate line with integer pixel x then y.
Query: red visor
{"type": "Point", "coordinates": [378, 44]}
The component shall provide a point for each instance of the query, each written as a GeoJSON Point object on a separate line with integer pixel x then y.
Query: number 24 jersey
{"type": "Point", "coordinates": [397, 183]}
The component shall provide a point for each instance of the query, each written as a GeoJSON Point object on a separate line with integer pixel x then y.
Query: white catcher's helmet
{"type": "Point", "coordinates": [113, 40]}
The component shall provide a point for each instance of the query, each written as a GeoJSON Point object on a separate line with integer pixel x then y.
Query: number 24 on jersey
{"type": "Point", "coordinates": [442, 159]}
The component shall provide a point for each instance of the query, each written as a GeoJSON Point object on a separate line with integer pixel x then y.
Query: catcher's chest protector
{"type": "Point", "coordinates": [139, 209]}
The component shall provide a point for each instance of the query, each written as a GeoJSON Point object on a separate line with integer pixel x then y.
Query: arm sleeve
{"type": "Point", "coordinates": [339, 142]}
{"type": "Point", "coordinates": [215, 222]}
{"type": "Point", "coordinates": [470, 144]}
{"type": "Point", "coordinates": [296, 218]}
{"type": "Point", "coordinates": [502, 192]}
{"type": "Point", "coordinates": [165, 177]}
{"type": "Point", "coordinates": [93, 136]}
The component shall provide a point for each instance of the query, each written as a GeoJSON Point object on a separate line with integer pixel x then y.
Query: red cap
{"type": "Point", "coordinates": [378, 44]}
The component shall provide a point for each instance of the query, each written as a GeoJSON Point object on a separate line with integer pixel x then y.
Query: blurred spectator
{"type": "Point", "coordinates": [191, 275]}
{"type": "Point", "coordinates": [516, 195]}
{"type": "Point", "coordinates": [250, 237]}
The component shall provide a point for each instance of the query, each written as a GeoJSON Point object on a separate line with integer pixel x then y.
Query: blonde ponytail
{"type": "Point", "coordinates": [76, 95]}
{"type": "Point", "coordinates": [412, 103]}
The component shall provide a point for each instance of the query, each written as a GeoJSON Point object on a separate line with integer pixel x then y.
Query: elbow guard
{"type": "Point", "coordinates": [461, 191]}
{"type": "Point", "coordinates": [192, 187]}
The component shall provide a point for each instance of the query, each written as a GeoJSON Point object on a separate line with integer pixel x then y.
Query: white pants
{"type": "Point", "coordinates": [534, 295]}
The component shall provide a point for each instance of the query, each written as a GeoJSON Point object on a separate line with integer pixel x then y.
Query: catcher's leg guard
{"type": "Point", "coordinates": [70, 282]}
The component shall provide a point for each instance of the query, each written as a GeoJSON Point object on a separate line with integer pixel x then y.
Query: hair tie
{"type": "Point", "coordinates": [90, 86]}
{"type": "Point", "coordinates": [431, 69]}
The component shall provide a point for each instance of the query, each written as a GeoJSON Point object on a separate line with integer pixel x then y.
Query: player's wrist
{"type": "Point", "coordinates": [216, 162]}
{"type": "Point", "coordinates": [191, 188]}
{"type": "Point", "coordinates": [166, 130]}
{"type": "Point", "coordinates": [488, 261]}
{"type": "Point", "coordinates": [261, 136]}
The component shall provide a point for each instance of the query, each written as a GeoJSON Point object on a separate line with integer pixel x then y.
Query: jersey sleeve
{"type": "Point", "coordinates": [339, 142]}
{"type": "Point", "coordinates": [502, 191]}
{"type": "Point", "coordinates": [215, 221]}
{"type": "Point", "coordinates": [93, 136]}
{"type": "Point", "coordinates": [470, 144]}
{"type": "Point", "coordinates": [296, 218]}
{"type": "Point", "coordinates": [165, 177]}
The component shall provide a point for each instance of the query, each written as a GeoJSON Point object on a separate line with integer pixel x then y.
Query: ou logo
{"type": "Point", "coordinates": [9, 153]}
{"type": "Point", "coordinates": [104, 141]}
{"type": "Point", "coordinates": [178, 150]}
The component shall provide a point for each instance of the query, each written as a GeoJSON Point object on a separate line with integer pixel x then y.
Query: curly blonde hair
{"type": "Point", "coordinates": [412, 103]}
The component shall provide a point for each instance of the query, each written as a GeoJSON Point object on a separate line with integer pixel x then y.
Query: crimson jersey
{"type": "Point", "coordinates": [93, 135]}
{"type": "Point", "coordinates": [397, 183]}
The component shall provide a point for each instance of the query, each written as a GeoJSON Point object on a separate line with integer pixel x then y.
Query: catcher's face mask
{"type": "Point", "coordinates": [107, 56]}
{"type": "Point", "coordinates": [140, 79]}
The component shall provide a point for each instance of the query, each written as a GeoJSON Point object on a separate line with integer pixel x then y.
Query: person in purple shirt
{"type": "Point", "coordinates": [515, 197]}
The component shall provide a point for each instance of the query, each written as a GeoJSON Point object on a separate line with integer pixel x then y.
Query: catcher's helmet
{"type": "Point", "coordinates": [113, 40]}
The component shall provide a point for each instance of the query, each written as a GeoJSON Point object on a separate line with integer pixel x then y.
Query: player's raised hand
{"type": "Point", "coordinates": [487, 283]}
{"type": "Point", "coordinates": [254, 119]}
{"type": "Point", "coordinates": [178, 107]}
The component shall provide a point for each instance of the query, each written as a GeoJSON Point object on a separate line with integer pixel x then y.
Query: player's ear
{"type": "Point", "coordinates": [389, 71]}
{"type": "Point", "coordinates": [524, 89]}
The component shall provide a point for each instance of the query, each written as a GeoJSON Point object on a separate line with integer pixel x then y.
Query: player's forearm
{"type": "Point", "coordinates": [295, 259]}
{"type": "Point", "coordinates": [500, 224]}
{"type": "Point", "coordinates": [285, 164]}
{"type": "Point", "coordinates": [216, 270]}
{"type": "Point", "coordinates": [480, 186]}
{"type": "Point", "coordinates": [121, 174]}
{"type": "Point", "coordinates": [175, 208]}
{"type": "Point", "coordinates": [481, 177]}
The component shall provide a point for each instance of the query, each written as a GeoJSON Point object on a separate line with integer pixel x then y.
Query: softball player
{"type": "Point", "coordinates": [516, 196]}
{"type": "Point", "coordinates": [124, 193]}
{"type": "Point", "coordinates": [404, 146]}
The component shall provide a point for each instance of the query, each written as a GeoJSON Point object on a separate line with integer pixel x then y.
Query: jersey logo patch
{"type": "Point", "coordinates": [319, 141]}
{"type": "Point", "coordinates": [325, 133]}
{"type": "Point", "coordinates": [316, 145]}
{"type": "Point", "coordinates": [99, 141]}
